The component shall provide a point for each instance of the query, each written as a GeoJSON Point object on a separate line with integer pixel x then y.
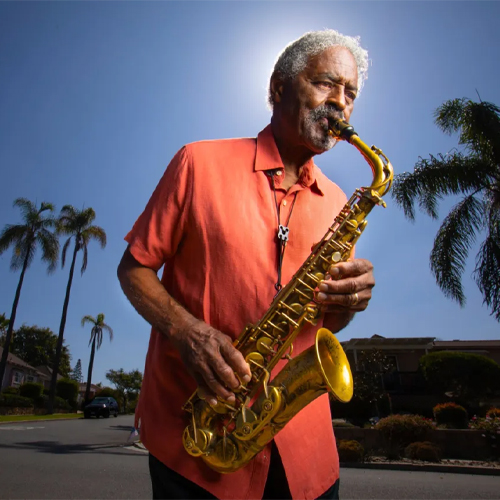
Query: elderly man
{"type": "Point", "coordinates": [212, 222]}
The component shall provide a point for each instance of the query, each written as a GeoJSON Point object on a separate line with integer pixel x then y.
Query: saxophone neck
{"type": "Point", "coordinates": [381, 166]}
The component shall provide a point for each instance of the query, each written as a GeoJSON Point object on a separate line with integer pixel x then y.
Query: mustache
{"type": "Point", "coordinates": [326, 112]}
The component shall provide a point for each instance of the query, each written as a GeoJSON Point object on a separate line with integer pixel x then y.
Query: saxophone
{"type": "Point", "coordinates": [227, 436]}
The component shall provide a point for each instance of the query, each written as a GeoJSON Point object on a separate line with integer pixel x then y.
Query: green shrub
{"type": "Point", "coordinates": [341, 423]}
{"type": "Point", "coordinates": [350, 451]}
{"type": "Point", "coordinates": [14, 401]}
{"type": "Point", "coordinates": [425, 451]}
{"type": "Point", "coordinates": [67, 389]}
{"type": "Point", "coordinates": [30, 390]}
{"type": "Point", "coordinates": [107, 392]}
{"type": "Point", "coordinates": [451, 415]}
{"type": "Point", "coordinates": [11, 390]}
{"type": "Point", "coordinates": [41, 401]}
{"type": "Point", "coordinates": [493, 413]}
{"type": "Point", "coordinates": [59, 403]}
{"type": "Point", "coordinates": [401, 430]}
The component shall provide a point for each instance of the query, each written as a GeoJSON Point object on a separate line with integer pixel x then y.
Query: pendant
{"type": "Point", "coordinates": [283, 233]}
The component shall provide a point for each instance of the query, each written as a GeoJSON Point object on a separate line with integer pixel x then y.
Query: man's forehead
{"type": "Point", "coordinates": [331, 61]}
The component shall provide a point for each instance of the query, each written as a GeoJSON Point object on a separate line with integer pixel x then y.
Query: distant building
{"type": "Point", "coordinates": [18, 372]}
{"type": "Point", "coordinates": [404, 353]}
{"type": "Point", "coordinates": [82, 387]}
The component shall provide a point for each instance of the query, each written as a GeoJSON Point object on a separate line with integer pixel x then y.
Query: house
{"type": "Point", "coordinates": [18, 372]}
{"type": "Point", "coordinates": [404, 354]}
{"type": "Point", "coordinates": [47, 371]}
{"type": "Point", "coordinates": [83, 387]}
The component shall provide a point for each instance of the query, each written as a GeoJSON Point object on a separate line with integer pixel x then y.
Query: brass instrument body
{"type": "Point", "coordinates": [227, 436]}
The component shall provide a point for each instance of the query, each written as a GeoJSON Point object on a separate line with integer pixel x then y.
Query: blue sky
{"type": "Point", "coordinates": [96, 97]}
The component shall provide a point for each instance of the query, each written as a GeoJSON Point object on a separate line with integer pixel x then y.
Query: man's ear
{"type": "Point", "coordinates": [276, 89]}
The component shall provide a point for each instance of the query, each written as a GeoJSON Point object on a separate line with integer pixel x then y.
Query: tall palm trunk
{"type": "Point", "coordinates": [89, 375]}
{"type": "Point", "coordinates": [10, 329]}
{"type": "Point", "coordinates": [57, 357]}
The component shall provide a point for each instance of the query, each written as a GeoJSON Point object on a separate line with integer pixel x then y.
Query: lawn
{"type": "Point", "coordinates": [21, 418]}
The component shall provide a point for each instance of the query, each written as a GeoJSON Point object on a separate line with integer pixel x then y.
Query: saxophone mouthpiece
{"type": "Point", "coordinates": [340, 129]}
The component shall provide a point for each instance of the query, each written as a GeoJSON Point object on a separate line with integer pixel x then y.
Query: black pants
{"type": "Point", "coordinates": [168, 484]}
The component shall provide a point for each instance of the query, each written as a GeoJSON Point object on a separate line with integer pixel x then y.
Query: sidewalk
{"type": "Point", "coordinates": [447, 466]}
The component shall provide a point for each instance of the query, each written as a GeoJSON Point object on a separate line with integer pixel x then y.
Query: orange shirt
{"type": "Point", "coordinates": [212, 222]}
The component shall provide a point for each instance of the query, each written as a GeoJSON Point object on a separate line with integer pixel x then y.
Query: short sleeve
{"type": "Point", "coordinates": [158, 231]}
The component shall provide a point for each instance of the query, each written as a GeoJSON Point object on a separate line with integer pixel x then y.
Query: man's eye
{"type": "Point", "coordinates": [350, 95]}
{"type": "Point", "coordinates": [327, 85]}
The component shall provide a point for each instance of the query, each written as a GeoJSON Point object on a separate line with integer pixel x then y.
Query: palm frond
{"type": "Point", "coordinates": [26, 206]}
{"type": "Point", "coordinates": [449, 116]}
{"type": "Point", "coordinates": [96, 233]}
{"type": "Point", "coordinates": [46, 206]}
{"type": "Point", "coordinates": [487, 271]}
{"type": "Point", "coordinates": [24, 251]}
{"type": "Point", "coordinates": [439, 176]}
{"type": "Point", "coordinates": [452, 244]}
{"type": "Point", "coordinates": [98, 337]}
{"type": "Point", "coordinates": [85, 259]}
{"type": "Point", "coordinates": [50, 248]}
{"type": "Point", "coordinates": [12, 234]}
{"type": "Point", "coordinates": [88, 319]}
{"type": "Point", "coordinates": [64, 250]}
{"type": "Point", "coordinates": [477, 123]}
{"type": "Point", "coordinates": [109, 330]}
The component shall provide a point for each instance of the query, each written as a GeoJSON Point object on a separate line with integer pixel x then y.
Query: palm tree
{"type": "Point", "coordinates": [25, 238]}
{"type": "Point", "coordinates": [78, 225]}
{"type": "Point", "coordinates": [96, 341]}
{"type": "Point", "coordinates": [473, 173]}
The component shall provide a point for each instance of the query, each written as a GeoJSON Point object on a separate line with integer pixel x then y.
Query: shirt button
{"type": "Point", "coordinates": [284, 203]}
{"type": "Point", "coordinates": [278, 172]}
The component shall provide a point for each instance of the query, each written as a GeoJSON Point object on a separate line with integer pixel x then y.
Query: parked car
{"type": "Point", "coordinates": [101, 407]}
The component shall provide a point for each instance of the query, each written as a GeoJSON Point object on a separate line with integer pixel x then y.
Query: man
{"type": "Point", "coordinates": [212, 222]}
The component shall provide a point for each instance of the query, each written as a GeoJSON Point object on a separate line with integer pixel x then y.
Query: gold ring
{"type": "Point", "coordinates": [356, 299]}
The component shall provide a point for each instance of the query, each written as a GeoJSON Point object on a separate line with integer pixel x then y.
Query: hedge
{"type": "Point", "coordinates": [14, 401]}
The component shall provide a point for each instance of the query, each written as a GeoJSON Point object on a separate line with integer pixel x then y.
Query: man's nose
{"type": "Point", "coordinates": [336, 98]}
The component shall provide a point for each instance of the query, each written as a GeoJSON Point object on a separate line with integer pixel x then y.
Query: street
{"type": "Point", "coordinates": [78, 459]}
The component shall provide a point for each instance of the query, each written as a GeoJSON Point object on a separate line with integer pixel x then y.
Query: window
{"type": "Point", "coordinates": [17, 378]}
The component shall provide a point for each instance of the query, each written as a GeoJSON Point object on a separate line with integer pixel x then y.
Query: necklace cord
{"type": "Point", "coordinates": [282, 236]}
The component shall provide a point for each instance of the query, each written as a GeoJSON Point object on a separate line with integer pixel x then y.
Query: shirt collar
{"type": "Point", "coordinates": [268, 158]}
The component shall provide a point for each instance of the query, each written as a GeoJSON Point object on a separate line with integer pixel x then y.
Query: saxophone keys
{"type": "Point", "coordinates": [265, 346]}
{"type": "Point", "coordinates": [336, 257]}
{"type": "Point", "coordinates": [255, 360]}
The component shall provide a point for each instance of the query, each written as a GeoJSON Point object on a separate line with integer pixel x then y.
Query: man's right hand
{"type": "Point", "coordinates": [212, 360]}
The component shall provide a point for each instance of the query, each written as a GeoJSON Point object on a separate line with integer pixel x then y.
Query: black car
{"type": "Point", "coordinates": [101, 407]}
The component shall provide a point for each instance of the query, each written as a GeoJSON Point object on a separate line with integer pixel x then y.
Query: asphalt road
{"type": "Point", "coordinates": [77, 459]}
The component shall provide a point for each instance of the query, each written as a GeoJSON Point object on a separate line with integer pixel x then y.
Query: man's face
{"type": "Point", "coordinates": [326, 88]}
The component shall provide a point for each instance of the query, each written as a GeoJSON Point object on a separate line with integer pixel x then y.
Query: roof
{"type": "Point", "coordinates": [389, 343]}
{"type": "Point", "coordinates": [12, 359]}
{"type": "Point", "coordinates": [47, 371]}
{"type": "Point", "coordinates": [467, 344]}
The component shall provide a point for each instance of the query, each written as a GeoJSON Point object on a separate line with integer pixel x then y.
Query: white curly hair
{"type": "Point", "coordinates": [295, 56]}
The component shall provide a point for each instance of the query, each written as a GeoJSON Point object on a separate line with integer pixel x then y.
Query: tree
{"type": "Point", "coordinates": [37, 346]}
{"type": "Point", "coordinates": [76, 373]}
{"type": "Point", "coordinates": [369, 381]}
{"type": "Point", "coordinates": [96, 335]}
{"type": "Point", "coordinates": [473, 173]}
{"type": "Point", "coordinates": [4, 324]}
{"type": "Point", "coordinates": [25, 238]}
{"type": "Point", "coordinates": [462, 375]}
{"type": "Point", "coordinates": [77, 224]}
{"type": "Point", "coordinates": [127, 383]}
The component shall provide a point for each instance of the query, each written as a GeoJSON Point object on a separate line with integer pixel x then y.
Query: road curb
{"type": "Point", "coordinates": [453, 469]}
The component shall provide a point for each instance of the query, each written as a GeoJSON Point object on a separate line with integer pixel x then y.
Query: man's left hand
{"type": "Point", "coordinates": [347, 287]}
